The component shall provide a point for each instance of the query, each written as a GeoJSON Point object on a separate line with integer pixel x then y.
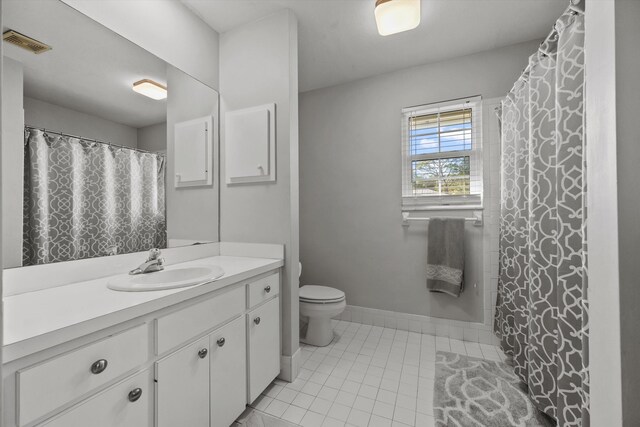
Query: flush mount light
{"type": "Point", "coordinates": [151, 89]}
{"type": "Point", "coordinates": [396, 16]}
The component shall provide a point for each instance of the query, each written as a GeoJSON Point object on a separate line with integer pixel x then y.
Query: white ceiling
{"type": "Point", "coordinates": [338, 40]}
{"type": "Point", "coordinates": [90, 69]}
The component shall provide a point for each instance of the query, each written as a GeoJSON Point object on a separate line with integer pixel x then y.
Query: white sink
{"type": "Point", "coordinates": [166, 279]}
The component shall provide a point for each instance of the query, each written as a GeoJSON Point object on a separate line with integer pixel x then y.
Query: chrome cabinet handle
{"type": "Point", "coordinates": [99, 366]}
{"type": "Point", "coordinates": [267, 289]}
{"type": "Point", "coordinates": [135, 394]}
{"type": "Point", "coordinates": [203, 353]}
{"type": "Point", "coordinates": [221, 342]}
{"type": "Point", "coordinates": [256, 320]}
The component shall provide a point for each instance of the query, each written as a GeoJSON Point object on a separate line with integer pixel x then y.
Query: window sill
{"type": "Point", "coordinates": [471, 202]}
{"type": "Point", "coordinates": [442, 208]}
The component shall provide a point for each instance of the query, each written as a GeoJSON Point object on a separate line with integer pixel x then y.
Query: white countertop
{"type": "Point", "coordinates": [37, 320]}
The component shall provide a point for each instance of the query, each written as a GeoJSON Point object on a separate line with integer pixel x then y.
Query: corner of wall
{"type": "Point", "coordinates": [1, 219]}
{"type": "Point", "coordinates": [604, 301]}
{"type": "Point", "coordinates": [12, 161]}
{"type": "Point", "coordinates": [294, 183]}
{"type": "Point", "coordinates": [258, 65]}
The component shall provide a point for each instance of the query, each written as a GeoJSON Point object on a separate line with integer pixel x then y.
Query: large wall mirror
{"type": "Point", "coordinates": [90, 166]}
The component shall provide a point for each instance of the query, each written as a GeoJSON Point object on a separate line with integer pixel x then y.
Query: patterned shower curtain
{"type": "Point", "coordinates": [84, 199]}
{"type": "Point", "coordinates": [541, 315]}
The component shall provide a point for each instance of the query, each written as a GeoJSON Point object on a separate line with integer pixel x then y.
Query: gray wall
{"type": "Point", "coordinates": [192, 212]}
{"type": "Point", "coordinates": [350, 173]}
{"type": "Point", "coordinates": [259, 65]}
{"type": "Point", "coordinates": [50, 116]}
{"type": "Point", "coordinates": [12, 162]}
{"type": "Point", "coordinates": [153, 138]}
{"type": "Point", "coordinates": [628, 158]}
{"type": "Point", "coordinates": [167, 29]}
{"type": "Point", "coordinates": [613, 231]}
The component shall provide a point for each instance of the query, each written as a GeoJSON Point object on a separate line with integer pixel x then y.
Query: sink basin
{"type": "Point", "coordinates": [166, 279]}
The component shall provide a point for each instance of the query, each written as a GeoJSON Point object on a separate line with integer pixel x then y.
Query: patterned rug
{"type": "Point", "coordinates": [472, 392]}
{"type": "Point", "coordinates": [254, 418]}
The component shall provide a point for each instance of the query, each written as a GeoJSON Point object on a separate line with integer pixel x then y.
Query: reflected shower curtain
{"type": "Point", "coordinates": [84, 199]}
{"type": "Point", "coordinates": [541, 315]}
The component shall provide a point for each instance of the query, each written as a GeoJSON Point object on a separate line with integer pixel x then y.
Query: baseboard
{"type": "Point", "coordinates": [290, 366]}
{"type": "Point", "coordinates": [456, 329]}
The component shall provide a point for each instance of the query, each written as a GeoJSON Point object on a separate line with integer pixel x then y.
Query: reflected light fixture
{"type": "Point", "coordinates": [153, 90]}
{"type": "Point", "coordinates": [396, 16]}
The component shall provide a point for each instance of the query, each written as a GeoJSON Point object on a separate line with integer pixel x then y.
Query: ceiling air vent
{"type": "Point", "coordinates": [24, 42]}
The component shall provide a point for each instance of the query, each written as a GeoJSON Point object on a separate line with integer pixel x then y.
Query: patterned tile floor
{"type": "Point", "coordinates": [368, 376]}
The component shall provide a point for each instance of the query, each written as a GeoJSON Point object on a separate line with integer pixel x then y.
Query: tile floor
{"type": "Point", "coordinates": [369, 376]}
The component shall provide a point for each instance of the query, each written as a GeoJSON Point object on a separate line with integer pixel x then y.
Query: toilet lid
{"type": "Point", "coordinates": [313, 293]}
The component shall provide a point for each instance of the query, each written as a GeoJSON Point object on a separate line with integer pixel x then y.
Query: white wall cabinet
{"type": "Point", "coordinates": [264, 352]}
{"type": "Point", "coordinates": [213, 355]}
{"type": "Point", "coordinates": [193, 152]}
{"type": "Point", "coordinates": [250, 144]}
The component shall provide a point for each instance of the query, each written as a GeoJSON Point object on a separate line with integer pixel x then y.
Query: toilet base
{"type": "Point", "coordinates": [319, 327]}
{"type": "Point", "coordinates": [319, 332]}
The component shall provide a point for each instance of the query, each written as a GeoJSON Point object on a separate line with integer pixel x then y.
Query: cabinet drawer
{"type": "Point", "coordinates": [181, 326]}
{"type": "Point", "coordinates": [55, 382]}
{"type": "Point", "coordinates": [116, 406]}
{"type": "Point", "coordinates": [264, 347]}
{"type": "Point", "coordinates": [263, 289]}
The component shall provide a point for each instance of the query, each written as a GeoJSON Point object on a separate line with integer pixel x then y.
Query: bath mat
{"type": "Point", "coordinates": [254, 418]}
{"type": "Point", "coordinates": [471, 392]}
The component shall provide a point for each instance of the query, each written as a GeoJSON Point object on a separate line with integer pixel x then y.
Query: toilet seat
{"type": "Point", "coordinates": [313, 294]}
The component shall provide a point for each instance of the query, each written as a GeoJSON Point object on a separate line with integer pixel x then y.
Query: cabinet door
{"type": "Point", "coordinates": [128, 403]}
{"type": "Point", "coordinates": [264, 346]}
{"type": "Point", "coordinates": [228, 361]}
{"type": "Point", "coordinates": [183, 386]}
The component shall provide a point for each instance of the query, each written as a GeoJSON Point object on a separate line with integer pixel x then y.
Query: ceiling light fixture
{"type": "Point", "coordinates": [396, 16]}
{"type": "Point", "coordinates": [151, 89]}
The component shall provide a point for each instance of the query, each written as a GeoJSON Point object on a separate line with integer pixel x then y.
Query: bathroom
{"type": "Point", "coordinates": [391, 213]}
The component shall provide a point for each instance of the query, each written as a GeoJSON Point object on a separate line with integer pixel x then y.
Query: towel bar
{"type": "Point", "coordinates": [476, 219]}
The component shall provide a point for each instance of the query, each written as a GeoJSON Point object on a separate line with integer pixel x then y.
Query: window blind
{"type": "Point", "coordinates": [441, 152]}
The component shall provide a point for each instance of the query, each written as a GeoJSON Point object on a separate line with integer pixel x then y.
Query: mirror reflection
{"type": "Point", "coordinates": [103, 143]}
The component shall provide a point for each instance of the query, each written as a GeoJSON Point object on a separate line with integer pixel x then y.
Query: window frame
{"type": "Point", "coordinates": [411, 201]}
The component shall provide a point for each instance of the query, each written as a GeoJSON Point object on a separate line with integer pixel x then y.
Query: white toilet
{"type": "Point", "coordinates": [319, 304]}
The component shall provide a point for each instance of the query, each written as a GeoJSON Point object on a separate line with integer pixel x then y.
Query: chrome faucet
{"type": "Point", "coordinates": [153, 263]}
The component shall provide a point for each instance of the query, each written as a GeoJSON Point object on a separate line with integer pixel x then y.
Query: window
{"type": "Point", "coordinates": [442, 162]}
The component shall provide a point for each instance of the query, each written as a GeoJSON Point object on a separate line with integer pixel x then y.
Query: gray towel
{"type": "Point", "coordinates": [445, 256]}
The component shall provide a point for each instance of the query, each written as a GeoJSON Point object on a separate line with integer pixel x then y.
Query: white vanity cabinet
{"type": "Point", "coordinates": [182, 381]}
{"type": "Point", "coordinates": [228, 375]}
{"type": "Point", "coordinates": [46, 386]}
{"type": "Point", "coordinates": [203, 384]}
{"type": "Point", "coordinates": [196, 363]}
{"type": "Point", "coordinates": [126, 404]}
{"type": "Point", "coordinates": [263, 324]}
{"type": "Point", "coordinates": [182, 325]}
